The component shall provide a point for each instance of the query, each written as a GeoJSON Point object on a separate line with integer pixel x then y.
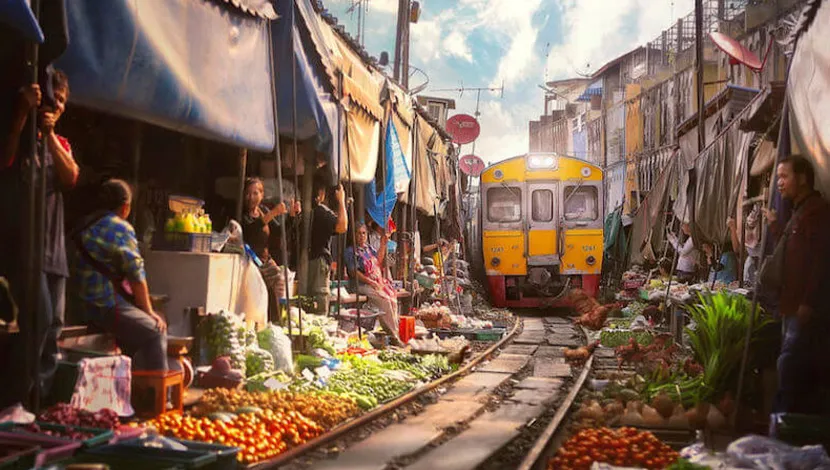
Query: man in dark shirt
{"type": "Point", "coordinates": [803, 301]}
{"type": "Point", "coordinates": [324, 224]}
{"type": "Point", "coordinates": [61, 175]}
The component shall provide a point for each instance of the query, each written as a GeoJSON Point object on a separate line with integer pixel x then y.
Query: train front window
{"type": "Point", "coordinates": [581, 203]}
{"type": "Point", "coordinates": [504, 204]}
{"type": "Point", "coordinates": [541, 206]}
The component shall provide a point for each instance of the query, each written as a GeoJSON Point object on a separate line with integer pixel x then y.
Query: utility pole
{"type": "Point", "coordinates": [401, 65]}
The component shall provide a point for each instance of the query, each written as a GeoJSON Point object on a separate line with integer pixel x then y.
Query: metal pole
{"type": "Point", "coordinates": [413, 194]}
{"type": "Point", "coordinates": [243, 168]}
{"type": "Point", "coordinates": [701, 97]}
{"type": "Point", "coordinates": [34, 237]}
{"type": "Point", "coordinates": [306, 218]}
{"type": "Point", "coordinates": [405, 46]}
{"type": "Point", "coordinates": [402, 4]}
{"type": "Point", "coordinates": [278, 157]}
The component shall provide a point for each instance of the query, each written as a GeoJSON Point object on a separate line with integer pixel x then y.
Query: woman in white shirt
{"type": "Point", "coordinates": [687, 259]}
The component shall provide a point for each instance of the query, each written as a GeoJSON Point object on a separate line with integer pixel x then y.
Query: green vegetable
{"type": "Point", "coordinates": [318, 340]}
{"type": "Point", "coordinates": [308, 362]}
{"type": "Point", "coordinates": [258, 361]}
{"type": "Point", "coordinates": [683, 464]}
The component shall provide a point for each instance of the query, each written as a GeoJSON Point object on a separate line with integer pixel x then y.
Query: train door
{"type": "Point", "coordinates": [541, 220]}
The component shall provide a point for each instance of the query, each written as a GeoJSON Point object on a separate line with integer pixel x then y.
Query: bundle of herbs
{"type": "Point", "coordinates": [722, 320]}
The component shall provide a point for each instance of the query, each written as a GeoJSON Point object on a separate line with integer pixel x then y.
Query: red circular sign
{"type": "Point", "coordinates": [471, 165]}
{"type": "Point", "coordinates": [463, 128]}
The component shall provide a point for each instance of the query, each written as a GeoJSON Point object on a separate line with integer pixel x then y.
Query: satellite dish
{"type": "Point", "coordinates": [463, 128]}
{"type": "Point", "coordinates": [736, 51]}
{"type": "Point", "coordinates": [471, 165]}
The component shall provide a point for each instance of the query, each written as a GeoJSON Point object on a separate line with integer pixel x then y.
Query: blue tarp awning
{"type": "Point", "coordinates": [18, 14]}
{"type": "Point", "coordinates": [594, 89]}
{"type": "Point", "coordinates": [194, 66]}
{"type": "Point", "coordinates": [315, 106]}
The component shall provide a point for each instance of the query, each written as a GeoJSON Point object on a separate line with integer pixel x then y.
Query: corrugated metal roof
{"type": "Point", "coordinates": [733, 96]}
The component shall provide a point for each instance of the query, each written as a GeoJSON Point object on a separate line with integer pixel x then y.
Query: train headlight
{"type": "Point", "coordinates": [591, 260]}
{"type": "Point", "coordinates": [495, 262]}
{"type": "Point", "coordinates": [541, 161]}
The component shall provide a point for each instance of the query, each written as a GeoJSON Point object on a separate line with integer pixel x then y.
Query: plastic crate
{"type": "Point", "coordinates": [116, 462]}
{"type": "Point", "coordinates": [178, 241]}
{"type": "Point", "coordinates": [225, 457]}
{"type": "Point", "coordinates": [151, 457]}
{"type": "Point", "coordinates": [17, 456]}
{"type": "Point", "coordinates": [51, 448]}
{"type": "Point", "coordinates": [490, 334]}
{"type": "Point", "coordinates": [99, 436]}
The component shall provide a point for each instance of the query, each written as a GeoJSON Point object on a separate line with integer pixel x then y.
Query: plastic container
{"type": "Point", "coordinates": [406, 328]}
{"type": "Point", "coordinates": [17, 456]}
{"type": "Point", "coordinates": [116, 462]}
{"type": "Point", "coordinates": [150, 457]}
{"type": "Point", "coordinates": [490, 334]}
{"type": "Point", "coordinates": [223, 457]}
{"type": "Point", "coordinates": [99, 436]}
{"type": "Point", "coordinates": [51, 448]}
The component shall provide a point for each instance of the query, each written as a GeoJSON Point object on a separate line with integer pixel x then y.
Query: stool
{"type": "Point", "coordinates": [145, 382]}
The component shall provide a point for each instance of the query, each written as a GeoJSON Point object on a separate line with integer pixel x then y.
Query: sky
{"type": "Point", "coordinates": [518, 43]}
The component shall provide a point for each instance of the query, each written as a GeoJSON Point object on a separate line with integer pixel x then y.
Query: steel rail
{"type": "Point", "coordinates": [536, 452]}
{"type": "Point", "coordinates": [341, 430]}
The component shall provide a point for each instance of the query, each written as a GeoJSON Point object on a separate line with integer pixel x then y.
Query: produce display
{"type": "Point", "coordinates": [67, 415]}
{"type": "Point", "coordinates": [626, 447]}
{"type": "Point", "coordinates": [258, 361]}
{"type": "Point", "coordinates": [369, 388]}
{"type": "Point", "coordinates": [614, 338]}
{"type": "Point", "coordinates": [326, 409]}
{"type": "Point", "coordinates": [69, 432]}
{"type": "Point", "coordinates": [259, 434]}
{"type": "Point", "coordinates": [221, 334]}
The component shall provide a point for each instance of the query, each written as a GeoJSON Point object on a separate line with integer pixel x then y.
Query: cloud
{"type": "Point", "coordinates": [456, 44]}
{"type": "Point", "coordinates": [597, 31]}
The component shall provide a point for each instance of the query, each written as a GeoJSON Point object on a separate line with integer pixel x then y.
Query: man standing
{"type": "Point", "coordinates": [805, 281]}
{"type": "Point", "coordinates": [61, 175]}
{"type": "Point", "coordinates": [324, 224]}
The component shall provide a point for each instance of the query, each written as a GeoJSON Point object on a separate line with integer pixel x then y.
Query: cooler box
{"type": "Point", "coordinates": [406, 328]}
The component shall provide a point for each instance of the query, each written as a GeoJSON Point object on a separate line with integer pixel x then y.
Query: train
{"type": "Point", "coordinates": [539, 229]}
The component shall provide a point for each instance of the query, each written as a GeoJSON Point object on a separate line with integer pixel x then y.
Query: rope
{"type": "Point", "coordinates": [296, 182]}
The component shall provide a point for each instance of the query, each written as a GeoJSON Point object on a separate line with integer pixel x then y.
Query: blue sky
{"type": "Point", "coordinates": [482, 43]}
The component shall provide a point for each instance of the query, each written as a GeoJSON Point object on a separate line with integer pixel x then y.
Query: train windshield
{"type": "Point", "coordinates": [542, 205]}
{"type": "Point", "coordinates": [504, 204]}
{"type": "Point", "coordinates": [581, 203]}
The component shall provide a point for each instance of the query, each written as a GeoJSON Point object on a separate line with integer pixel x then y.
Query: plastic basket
{"type": "Point", "coordinates": [116, 462]}
{"type": "Point", "coordinates": [17, 456]}
{"type": "Point", "coordinates": [99, 436]}
{"type": "Point", "coordinates": [490, 334]}
{"type": "Point", "coordinates": [348, 320]}
{"type": "Point", "coordinates": [178, 241]}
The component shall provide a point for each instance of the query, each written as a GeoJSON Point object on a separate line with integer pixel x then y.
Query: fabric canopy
{"type": "Point", "coordinates": [316, 107]}
{"type": "Point", "coordinates": [191, 66]}
{"type": "Point", "coordinates": [423, 179]}
{"type": "Point", "coordinates": [18, 15]}
{"type": "Point", "coordinates": [808, 91]}
{"type": "Point", "coordinates": [380, 202]}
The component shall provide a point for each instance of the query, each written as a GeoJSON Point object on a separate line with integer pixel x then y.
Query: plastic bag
{"type": "Point", "coordinates": [275, 341]}
{"type": "Point", "coordinates": [769, 454]}
{"type": "Point", "coordinates": [17, 414]}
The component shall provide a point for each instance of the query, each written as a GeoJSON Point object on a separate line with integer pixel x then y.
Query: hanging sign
{"type": "Point", "coordinates": [463, 128]}
{"type": "Point", "coordinates": [471, 165]}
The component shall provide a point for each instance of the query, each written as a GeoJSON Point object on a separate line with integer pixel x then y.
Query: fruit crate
{"type": "Point", "coordinates": [99, 436]}
{"type": "Point", "coordinates": [178, 241]}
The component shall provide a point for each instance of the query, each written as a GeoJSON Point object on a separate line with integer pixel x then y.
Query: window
{"type": "Point", "coordinates": [504, 204]}
{"type": "Point", "coordinates": [541, 205]}
{"type": "Point", "coordinates": [581, 203]}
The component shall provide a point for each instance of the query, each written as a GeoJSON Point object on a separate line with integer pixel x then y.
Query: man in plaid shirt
{"type": "Point", "coordinates": [112, 284]}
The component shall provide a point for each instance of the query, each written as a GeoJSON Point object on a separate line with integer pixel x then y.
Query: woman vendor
{"type": "Point", "coordinates": [260, 231]}
{"type": "Point", "coordinates": [364, 263]}
{"type": "Point", "coordinates": [687, 260]}
{"type": "Point", "coordinates": [725, 270]}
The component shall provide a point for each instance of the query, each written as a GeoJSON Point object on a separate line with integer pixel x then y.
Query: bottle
{"type": "Point", "coordinates": [189, 225]}
{"type": "Point", "coordinates": [209, 223]}
{"type": "Point", "coordinates": [178, 222]}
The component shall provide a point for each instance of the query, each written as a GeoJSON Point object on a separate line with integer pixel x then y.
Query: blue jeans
{"type": "Point", "coordinates": [135, 333]}
{"type": "Point", "coordinates": [802, 369]}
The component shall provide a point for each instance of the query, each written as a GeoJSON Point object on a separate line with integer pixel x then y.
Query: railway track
{"type": "Point", "coordinates": [501, 411]}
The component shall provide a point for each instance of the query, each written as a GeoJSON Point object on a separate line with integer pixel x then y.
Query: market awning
{"type": "Point", "coordinates": [195, 66]}
{"type": "Point", "coordinates": [316, 106]}
{"type": "Point", "coordinates": [594, 89]}
{"type": "Point", "coordinates": [423, 178]}
{"type": "Point", "coordinates": [764, 158]}
{"type": "Point", "coordinates": [808, 93]}
{"type": "Point", "coordinates": [18, 14]}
